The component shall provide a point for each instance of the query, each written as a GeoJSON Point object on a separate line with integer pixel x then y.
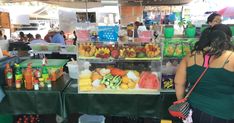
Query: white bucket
{"type": "Point", "coordinates": [73, 69]}
{"type": "Point", "coordinates": [91, 119]}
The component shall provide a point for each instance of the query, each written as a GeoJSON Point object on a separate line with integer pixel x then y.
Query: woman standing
{"type": "Point", "coordinates": [212, 100]}
{"type": "Point", "coordinates": [214, 19]}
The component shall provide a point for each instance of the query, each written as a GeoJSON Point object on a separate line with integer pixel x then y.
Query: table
{"type": "Point", "coordinates": [44, 101]}
{"type": "Point", "coordinates": [154, 106]}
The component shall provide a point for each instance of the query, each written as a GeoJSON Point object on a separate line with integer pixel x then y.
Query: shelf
{"type": "Point", "coordinates": [50, 52]}
{"type": "Point", "coordinates": [167, 90]}
{"type": "Point", "coordinates": [67, 53]}
{"type": "Point", "coordinates": [128, 59]}
{"type": "Point", "coordinates": [120, 91]}
{"type": "Point", "coordinates": [167, 57]}
{"type": "Point", "coordinates": [144, 59]}
{"type": "Point", "coordinates": [42, 52]}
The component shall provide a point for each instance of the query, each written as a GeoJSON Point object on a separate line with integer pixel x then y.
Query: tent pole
{"type": "Point", "coordinates": [86, 6]}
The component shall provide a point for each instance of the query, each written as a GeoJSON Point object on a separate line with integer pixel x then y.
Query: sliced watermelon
{"type": "Point", "coordinates": [148, 80]}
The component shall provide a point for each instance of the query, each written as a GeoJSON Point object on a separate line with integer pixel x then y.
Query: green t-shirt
{"type": "Point", "coordinates": [214, 94]}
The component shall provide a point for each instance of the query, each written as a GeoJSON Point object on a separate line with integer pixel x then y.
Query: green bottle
{"type": "Point", "coordinates": [18, 73]}
{"type": "Point", "coordinates": [45, 73]}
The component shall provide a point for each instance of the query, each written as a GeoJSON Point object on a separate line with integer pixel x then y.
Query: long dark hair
{"type": "Point", "coordinates": [214, 40]}
{"type": "Point", "coordinates": [211, 17]}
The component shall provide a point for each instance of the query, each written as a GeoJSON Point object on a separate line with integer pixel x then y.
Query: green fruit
{"type": "Point", "coordinates": [141, 55]}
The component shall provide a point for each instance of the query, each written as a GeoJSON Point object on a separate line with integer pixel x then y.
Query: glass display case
{"type": "Point", "coordinates": [173, 51]}
{"type": "Point", "coordinates": [119, 68]}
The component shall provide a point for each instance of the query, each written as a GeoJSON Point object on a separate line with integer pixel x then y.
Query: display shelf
{"type": "Point", "coordinates": [167, 90]}
{"type": "Point", "coordinates": [94, 58]}
{"type": "Point", "coordinates": [144, 59]}
{"type": "Point", "coordinates": [112, 59]}
{"type": "Point", "coordinates": [41, 52]}
{"type": "Point", "coordinates": [119, 91]}
{"type": "Point", "coordinates": [172, 58]}
{"type": "Point", "coordinates": [67, 53]}
{"type": "Point", "coordinates": [136, 65]}
{"type": "Point", "coordinates": [62, 52]}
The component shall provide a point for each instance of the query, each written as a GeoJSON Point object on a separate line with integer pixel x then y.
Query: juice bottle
{"type": "Point", "coordinates": [45, 73]}
{"type": "Point", "coordinates": [37, 73]}
{"type": "Point", "coordinates": [28, 76]}
{"type": "Point", "coordinates": [8, 75]}
{"type": "Point", "coordinates": [18, 73]}
{"type": "Point", "coordinates": [36, 85]}
{"type": "Point", "coordinates": [17, 84]}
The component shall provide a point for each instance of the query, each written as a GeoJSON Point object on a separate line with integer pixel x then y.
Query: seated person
{"type": "Point", "coordinates": [38, 40]}
{"type": "Point", "coordinates": [58, 38]}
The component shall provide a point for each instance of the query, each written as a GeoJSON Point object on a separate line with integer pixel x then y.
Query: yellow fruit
{"type": "Point", "coordinates": [84, 76]}
{"type": "Point", "coordinates": [85, 80]}
{"type": "Point", "coordinates": [102, 51]}
{"type": "Point", "coordinates": [178, 50]}
{"type": "Point", "coordinates": [152, 50]}
{"type": "Point", "coordinates": [131, 84]}
{"type": "Point", "coordinates": [170, 50]}
{"type": "Point", "coordinates": [125, 79]}
{"type": "Point", "coordinates": [86, 88]}
{"type": "Point", "coordinates": [136, 73]}
{"type": "Point", "coordinates": [87, 49]}
{"type": "Point", "coordinates": [127, 53]}
{"type": "Point", "coordinates": [124, 86]}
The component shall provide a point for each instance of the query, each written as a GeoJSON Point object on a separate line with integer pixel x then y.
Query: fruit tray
{"type": "Point", "coordinates": [113, 80]}
{"type": "Point", "coordinates": [149, 51]}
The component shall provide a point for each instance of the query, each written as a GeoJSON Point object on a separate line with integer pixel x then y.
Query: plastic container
{"type": "Point", "coordinates": [91, 119]}
{"type": "Point", "coordinates": [168, 32]}
{"type": "Point", "coordinates": [73, 69]}
{"type": "Point", "coordinates": [71, 48]}
{"type": "Point", "coordinates": [190, 32]}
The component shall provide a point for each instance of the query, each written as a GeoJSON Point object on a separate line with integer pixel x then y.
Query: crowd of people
{"type": "Point", "coordinates": [53, 36]}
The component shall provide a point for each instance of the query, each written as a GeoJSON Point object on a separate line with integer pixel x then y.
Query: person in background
{"type": "Point", "coordinates": [214, 19]}
{"type": "Point", "coordinates": [136, 25]}
{"type": "Point", "coordinates": [63, 34]}
{"type": "Point", "coordinates": [49, 35]}
{"type": "Point", "coordinates": [22, 37]}
{"type": "Point", "coordinates": [2, 36]}
{"type": "Point", "coordinates": [75, 37]}
{"type": "Point", "coordinates": [212, 99]}
{"type": "Point", "coordinates": [30, 37]}
{"type": "Point", "coordinates": [38, 40]}
{"type": "Point", "coordinates": [58, 38]}
{"type": "Point", "coordinates": [166, 19]}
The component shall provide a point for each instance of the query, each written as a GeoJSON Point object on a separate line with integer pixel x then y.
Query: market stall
{"type": "Point", "coordinates": [44, 101]}
{"type": "Point", "coordinates": [154, 106]}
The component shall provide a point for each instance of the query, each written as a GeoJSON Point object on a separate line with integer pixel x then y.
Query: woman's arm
{"type": "Point", "coordinates": [180, 79]}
